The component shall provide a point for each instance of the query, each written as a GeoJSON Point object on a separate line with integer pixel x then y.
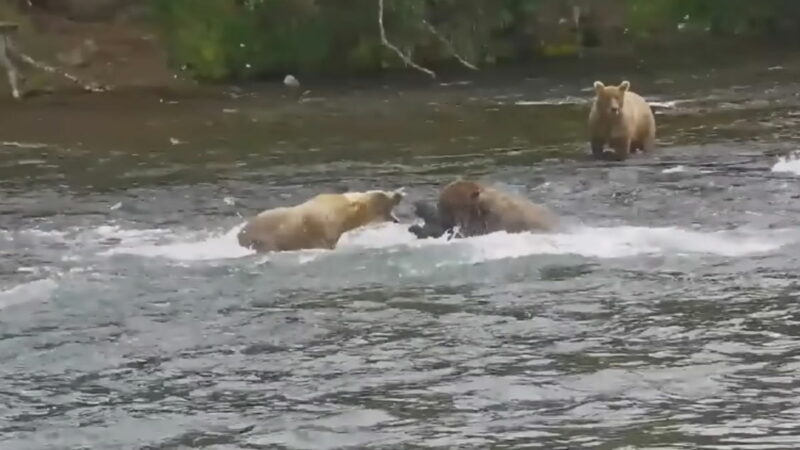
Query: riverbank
{"type": "Point", "coordinates": [119, 52]}
{"type": "Point", "coordinates": [119, 43]}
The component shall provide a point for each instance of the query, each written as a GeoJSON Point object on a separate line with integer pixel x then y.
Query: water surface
{"type": "Point", "coordinates": [664, 315]}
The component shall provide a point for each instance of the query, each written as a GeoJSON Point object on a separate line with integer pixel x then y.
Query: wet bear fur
{"type": "Point", "coordinates": [319, 222]}
{"type": "Point", "coordinates": [476, 209]}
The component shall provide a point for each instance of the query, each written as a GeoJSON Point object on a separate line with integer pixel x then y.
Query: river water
{"type": "Point", "coordinates": [664, 315]}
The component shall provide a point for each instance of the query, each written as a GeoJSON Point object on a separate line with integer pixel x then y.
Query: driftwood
{"type": "Point", "coordinates": [9, 52]}
{"type": "Point", "coordinates": [6, 49]}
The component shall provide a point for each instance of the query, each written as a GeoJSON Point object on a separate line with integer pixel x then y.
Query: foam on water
{"type": "Point", "coordinates": [685, 170]}
{"type": "Point", "coordinates": [214, 246]}
{"type": "Point", "coordinates": [676, 169]}
{"type": "Point", "coordinates": [553, 102]}
{"type": "Point", "coordinates": [377, 236]}
{"type": "Point", "coordinates": [569, 100]}
{"type": "Point", "coordinates": [618, 242]}
{"type": "Point", "coordinates": [31, 145]}
{"type": "Point", "coordinates": [594, 242]}
{"type": "Point", "coordinates": [225, 245]}
{"type": "Point", "coordinates": [38, 290]}
{"type": "Point", "coordinates": [788, 164]}
{"type": "Point", "coordinates": [666, 104]}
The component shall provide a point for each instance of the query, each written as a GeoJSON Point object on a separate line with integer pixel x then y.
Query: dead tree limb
{"type": "Point", "coordinates": [92, 87]}
{"type": "Point", "coordinates": [448, 45]}
{"type": "Point", "coordinates": [396, 50]}
{"type": "Point", "coordinates": [6, 30]}
{"type": "Point", "coordinates": [9, 52]}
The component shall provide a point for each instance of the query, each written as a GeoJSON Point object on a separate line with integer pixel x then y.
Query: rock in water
{"type": "Point", "coordinates": [291, 81]}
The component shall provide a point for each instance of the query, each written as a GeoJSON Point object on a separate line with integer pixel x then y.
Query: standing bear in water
{"type": "Point", "coordinates": [319, 222]}
{"type": "Point", "coordinates": [622, 119]}
{"type": "Point", "coordinates": [477, 210]}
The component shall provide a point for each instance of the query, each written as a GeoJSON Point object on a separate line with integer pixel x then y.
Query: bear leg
{"type": "Point", "coordinates": [648, 144]}
{"type": "Point", "coordinates": [597, 148]}
{"type": "Point", "coordinates": [622, 149]}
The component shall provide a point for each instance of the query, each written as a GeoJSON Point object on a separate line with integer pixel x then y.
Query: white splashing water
{"type": "Point", "coordinates": [666, 104]}
{"type": "Point", "coordinates": [377, 236]}
{"type": "Point", "coordinates": [569, 100]}
{"type": "Point", "coordinates": [31, 145]}
{"type": "Point", "coordinates": [225, 245]}
{"type": "Point", "coordinates": [553, 102]}
{"type": "Point", "coordinates": [594, 242]}
{"type": "Point", "coordinates": [216, 246]}
{"type": "Point", "coordinates": [618, 242]}
{"type": "Point", "coordinates": [686, 170]}
{"type": "Point", "coordinates": [676, 169]}
{"type": "Point", "coordinates": [788, 164]}
{"type": "Point", "coordinates": [38, 290]}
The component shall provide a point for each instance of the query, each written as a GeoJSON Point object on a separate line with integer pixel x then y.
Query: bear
{"type": "Point", "coordinates": [319, 222]}
{"type": "Point", "coordinates": [622, 119]}
{"type": "Point", "coordinates": [477, 210]}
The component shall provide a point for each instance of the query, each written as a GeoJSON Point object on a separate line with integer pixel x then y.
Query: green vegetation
{"type": "Point", "coordinates": [762, 18]}
{"type": "Point", "coordinates": [229, 39]}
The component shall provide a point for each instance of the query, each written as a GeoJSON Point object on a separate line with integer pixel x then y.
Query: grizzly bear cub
{"type": "Point", "coordinates": [319, 222]}
{"type": "Point", "coordinates": [477, 210]}
{"type": "Point", "coordinates": [622, 119]}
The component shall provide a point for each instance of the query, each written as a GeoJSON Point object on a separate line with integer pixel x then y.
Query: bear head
{"type": "Point", "coordinates": [610, 99]}
{"type": "Point", "coordinates": [373, 206]}
{"type": "Point", "coordinates": [460, 205]}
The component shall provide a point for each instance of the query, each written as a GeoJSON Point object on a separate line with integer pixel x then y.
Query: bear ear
{"type": "Point", "coordinates": [598, 86]}
{"type": "Point", "coordinates": [624, 86]}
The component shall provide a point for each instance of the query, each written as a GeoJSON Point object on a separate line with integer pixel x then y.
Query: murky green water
{"type": "Point", "coordinates": [664, 316]}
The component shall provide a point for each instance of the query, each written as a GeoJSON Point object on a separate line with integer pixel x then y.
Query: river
{"type": "Point", "coordinates": [664, 315]}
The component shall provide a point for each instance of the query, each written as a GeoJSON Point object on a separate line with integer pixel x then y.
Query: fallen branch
{"type": "Point", "coordinates": [92, 87]}
{"type": "Point", "coordinates": [448, 45]}
{"type": "Point", "coordinates": [11, 69]}
{"type": "Point", "coordinates": [390, 46]}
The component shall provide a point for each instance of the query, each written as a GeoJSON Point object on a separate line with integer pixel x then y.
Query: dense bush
{"type": "Point", "coordinates": [222, 39]}
{"type": "Point", "coordinates": [762, 18]}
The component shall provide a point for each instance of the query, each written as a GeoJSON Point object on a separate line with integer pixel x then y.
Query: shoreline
{"type": "Point", "coordinates": [128, 55]}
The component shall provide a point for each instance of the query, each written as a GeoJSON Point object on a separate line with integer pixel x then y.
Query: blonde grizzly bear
{"type": "Point", "coordinates": [477, 210]}
{"type": "Point", "coordinates": [622, 119]}
{"type": "Point", "coordinates": [319, 222]}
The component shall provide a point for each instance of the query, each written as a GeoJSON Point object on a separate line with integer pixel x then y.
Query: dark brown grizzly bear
{"type": "Point", "coordinates": [476, 209]}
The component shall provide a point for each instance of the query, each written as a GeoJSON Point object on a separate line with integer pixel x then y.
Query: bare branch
{"type": "Point", "coordinates": [11, 69]}
{"type": "Point", "coordinates": [93, 87]}
{"type": "Point", "coordinates": [449, 46]}
{"type": "Point", "coordinates": [390, 46]}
